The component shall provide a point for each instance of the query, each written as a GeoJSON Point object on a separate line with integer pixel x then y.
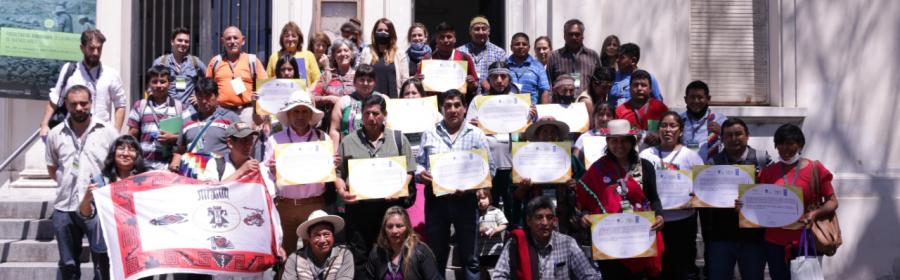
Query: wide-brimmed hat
{"type": "Point", "coordinates": [316, 217]}
{"type": "Point", "coordinates": [619, 128]}
{"type": "Point", "coordinates": [300, 98]}
{"type": "Point", "coordinates": [561, 127]}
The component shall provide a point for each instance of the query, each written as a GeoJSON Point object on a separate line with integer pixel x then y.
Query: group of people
{"type": "Point", "coordinates": [518, 230]}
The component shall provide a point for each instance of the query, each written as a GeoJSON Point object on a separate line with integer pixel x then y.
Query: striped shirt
{"type": "Point", "coordinates": [438, 140]}
{"type": "Point", "coordinates": [529, 76]}
{"type": "Point", "coordinates": [565, 62]}
{"type": "Point", "coordinates": [483, 57]}
{"type": "Point", "coordinates": [561, 258]}
{"type": "Point", "coordinates": [213, 140]}
{"type": "Point", "coordinates": [146, 119]}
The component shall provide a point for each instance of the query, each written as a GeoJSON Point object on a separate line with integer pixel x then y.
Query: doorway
{"type": "Point", "coordinates": [458, 13]}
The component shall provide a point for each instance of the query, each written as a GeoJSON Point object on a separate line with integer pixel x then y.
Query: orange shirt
{"type": "Point", "coordinates": [224, 73]}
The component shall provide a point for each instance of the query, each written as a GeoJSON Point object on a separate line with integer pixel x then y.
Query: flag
{"type": "Point", "coordinates": [159, 222]}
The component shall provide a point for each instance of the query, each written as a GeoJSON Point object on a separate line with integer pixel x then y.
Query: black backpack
{"type": "Point", "coordinates": [60, 114]}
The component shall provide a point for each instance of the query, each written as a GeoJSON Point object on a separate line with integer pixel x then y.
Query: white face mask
{"type": "Point", "coordinates": [791, 160]}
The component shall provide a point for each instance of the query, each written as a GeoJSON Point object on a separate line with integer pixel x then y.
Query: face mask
{"type": "Point", "coordinates": [791, 160]}
{"type": "Point", "coordinates": [564, 99]}
{"type": "Point", "coordinates": [382, 38]}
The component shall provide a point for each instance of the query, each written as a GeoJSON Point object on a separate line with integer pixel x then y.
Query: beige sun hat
{"type": "Point", "coordinates": [316, 217]}
{"type": "Point", "coordinates": [620, 128]}
{"type": "Point", "coordinates": [300, 98]}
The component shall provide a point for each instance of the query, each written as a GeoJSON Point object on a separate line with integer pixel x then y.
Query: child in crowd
{"type": "Point", "coordinates": [491, 224]}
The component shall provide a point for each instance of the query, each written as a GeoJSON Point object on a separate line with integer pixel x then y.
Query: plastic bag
{"type": "Point", "coordinates": [806, 266]}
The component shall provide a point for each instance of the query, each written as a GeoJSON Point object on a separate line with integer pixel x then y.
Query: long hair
{"type": "Point", "coordinates": [410, 240]}
{"type": "Point", "coordinates": [605, 59]}
{"type": "Point", "coordinates": [109, 164]}
{"type": "Point", "coordinates": [413, 27]}
{"type": "Point", "coordinates": [319, 37]}
{"type": "Point", "coordinates": [289, 60]}
{"type": "Point", "coordinates": [291, 27]}
{"type": "Point", "coordinates": [335, 45]}
{"type": "Point", "coordinates": [392, 46]}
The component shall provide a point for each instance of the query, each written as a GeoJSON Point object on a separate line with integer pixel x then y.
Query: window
{"type": "Point", "coordinates": [331, 14]}
{"type": "Point", "coordinates": [729, 50]}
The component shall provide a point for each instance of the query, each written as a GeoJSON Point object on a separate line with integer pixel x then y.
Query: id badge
{"type": "Point", "coordinates": [577, 77]}
{"type": "Point", "coordinates": [238, 85]}
{"type": "Point", "coordinates": [693, 146]}
{"type": "Point", "coordinates": [180, 83]}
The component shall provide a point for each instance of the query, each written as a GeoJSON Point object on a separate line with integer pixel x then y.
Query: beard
{"type": "Point", "coordinates": [79, 117]}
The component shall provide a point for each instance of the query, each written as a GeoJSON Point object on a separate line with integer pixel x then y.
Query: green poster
{"type": "Point", "coordinates": [39, 44]}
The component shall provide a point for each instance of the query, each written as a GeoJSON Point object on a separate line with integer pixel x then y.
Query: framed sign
{"type": "Point", "coordinates": [329, 15]}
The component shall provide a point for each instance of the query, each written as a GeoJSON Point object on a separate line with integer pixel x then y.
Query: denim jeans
{"type": "Point", "coordinates": [462, 212]}
{"type": "Point", "coordinates": [723, 255]}
{"type": "Point", "coordinates": [70, 231]}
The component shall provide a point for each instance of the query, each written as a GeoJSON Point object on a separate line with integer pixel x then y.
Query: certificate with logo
{"type": "Point", "coordinates": [542, 162]}
{"type": "Point", "coordinates": [374, 178]}
{"type": "Point", "coordinates": [575, 115]}
{"type": "Point", "coordinates": [442, 75]}
{"type": "Point", "coordinates": [770, 206]}
{"type": "Point", "coordinates": [623, 235]}
{"type": "Point", "coordinates": [460, 171]}
{"type": "Point", "coordinates": [674, 188]}
{"type": "Point", "coordinates": [506, 113]}
{"type": "Point", "coordinates": [411, 115]}
{"type": "Point", "coordinates": [304, 163]}
{"type": "Point", "coordinates": [716, 186]}
{"type": "Point", "coordinates": [272, 94]}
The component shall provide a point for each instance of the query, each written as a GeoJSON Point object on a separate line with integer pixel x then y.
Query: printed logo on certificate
{"type": "Point", "coordinates": [542, 162]}
{"type": "Point", "coordinates": [412, 115]}
{"type": "Point", "coordinates": [623, 235]}
{"type": "Point", "coordinates": [575, 115]}
{"type": "Point", "coordinates": [770, 206]}
{"type": "Point", "coordinates": [593, 148]}
{"type": "Point", "coordinates": [375, 178]}
{"type": "Point", "coordinates": [716, 186]}
{"type": "Point", "coordinates": [272, 94]}
{"type": "Point", "coordinates": [674, 188]}
{"type": "Point", "coordinates": [460, 171]}
{"type": "Point", "coordinates": [314, 160]}
{"type": "Point", "coordinates": [506, 113]}
{"type": "Point", "coordinates": [443, 75]}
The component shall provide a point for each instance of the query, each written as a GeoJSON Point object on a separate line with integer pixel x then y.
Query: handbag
{"type": "Point", "coordinates": [826, 229]}
{"type": "Point", "coordinates": [806, 266]}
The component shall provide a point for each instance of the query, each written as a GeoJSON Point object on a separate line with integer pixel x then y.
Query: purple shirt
{"type": "Point", "coordinates": [288, 136]}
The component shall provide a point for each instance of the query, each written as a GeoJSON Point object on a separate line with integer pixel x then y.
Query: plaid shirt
{"type": "Point", "coordinates": [561, 259]}
{"type": "Point", "coordinates": [437, 141]}
{"type": "Point", "coordinates": [483, 57]}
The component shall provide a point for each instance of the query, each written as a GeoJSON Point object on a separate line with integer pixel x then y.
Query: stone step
{"type": "Point", "coordinates": [43, 183]}
{"type": "Point", "coordinates": [35, 209]}
{"type": "Point", "coordinates": [38, 270]}
{"type": "Point", "coordinates": [15, 251]}
{"type": "Point", "coordinates": [21, 229]}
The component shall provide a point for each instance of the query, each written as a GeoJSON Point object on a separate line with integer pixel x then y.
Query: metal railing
{"type": "Point", "coordinates": [20, 149]}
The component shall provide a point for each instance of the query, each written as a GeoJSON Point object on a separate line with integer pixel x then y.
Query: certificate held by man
{"type": "Point", "coordinates": [272, 94]}
{"type": "Point", "coordinates": [623, 235]}
{"type": "Point", "coordinates": [304, 163]}
{"type": "Point", "coordinates": [412, 114]}
{"type": "Point", "coordinates": [770, 206]}
{"type": "Point", "coordinates": [443, 75]}
{"type": "Point", "coordinates": [542, 162]}
{"type": "Point", "coordinates": [375, 178]}
{"type": "Point", "coordinates": [575, 115]}
{"type": "Point", "coordinates": [459, 171]}
{"type": "Point", "coordinates": [506, 113]}
{"type": "Point", "coordinates": [716, 186]}
{"type": "Point", "coordinates": [674, 188]}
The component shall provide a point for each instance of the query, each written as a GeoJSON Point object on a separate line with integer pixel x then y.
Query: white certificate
{"type": "Point", "coordinates": [304, 163]}
{"type": "Point", "coordinates": [412, 115]}
{"type": "Point", "coordinates": [506, 113]}
{"type": "Point", "coordinates": [593, 147]}
{"type": "Point", "coordinates": [771, 206]}
{"type": "Point", "coordinates": [716, 186]}
{"type": "Point", "coordinates": [575, 115]}
{"type": "Point", "coordinates": [459, 171]}
{"type": "Point", "coordinates": [442, 75]}
{"type": "Point", "coordinates": [623, 235]}
{"type": "Point", "coordinates": [674, 188]}
{"type": "Point", "coordinates": [374, 178]}
{"type": "Point", "coordinates": [272, 94]}
{"type": "Point", "coordinates": [542, 162]}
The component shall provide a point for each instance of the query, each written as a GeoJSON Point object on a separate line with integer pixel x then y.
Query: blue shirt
{"type": "Point", "coordinates": [182, 70]}
{"type": "Point", "coordinates": [438, 141]}
{"type": "Point", "coordinates": [696, 135]}
{"type": "Point", "coordinates": [621, 89]}
{"type": "Point", "coordinates": [529, 76]}
{"type": "Point", "coordinates": [483, 57]}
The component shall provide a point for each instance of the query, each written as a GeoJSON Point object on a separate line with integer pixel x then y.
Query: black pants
{"type": "Point", "coordinates": [502, 190]}
{"type": "Point", "coordinates": [680, 255]}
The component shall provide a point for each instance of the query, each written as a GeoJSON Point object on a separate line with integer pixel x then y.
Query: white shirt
{"type": "Point", "coordinates": [107, 92]}
{"type": "Point", "coordinates": [77, 160]}
{"type": "Point", "coordinates": [683, 159]}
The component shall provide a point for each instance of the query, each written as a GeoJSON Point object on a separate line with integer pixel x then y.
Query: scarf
{"type": "Point", "coordinates": [415, 52]}
{"type": "Point", "coordinates": [523, 258]}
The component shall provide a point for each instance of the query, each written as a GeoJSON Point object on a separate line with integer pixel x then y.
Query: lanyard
{"type": "Point", "coordinates": [153, 110]}
{"type": "Point", "coordinates": [663, 161]}
{"type": "Point", "coordinates": [637, 113]}
{"type": "Point", "coordinates": [233, 74]}
{"type": "Point", "coordinates": [785, 171]}
{"type": "Point", "coordinates": [695, 126]}
{"type": "Point", "coordinates": [93, 80]}
{"type": "Point", "coordinates": [291, 138]}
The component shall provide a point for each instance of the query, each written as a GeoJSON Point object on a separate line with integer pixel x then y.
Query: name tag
{"type": "Point", "coordinates": [238, 85]}
{"type": "Point", "coordinates": [180, 83]}
{"type": "Point", "coordinates": [577, 77]}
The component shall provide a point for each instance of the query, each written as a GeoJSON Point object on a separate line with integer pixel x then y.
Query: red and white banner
{"type": "Point", "coordinates": [159, 222]}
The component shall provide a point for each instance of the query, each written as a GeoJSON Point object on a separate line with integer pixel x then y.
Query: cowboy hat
{"type": "Point", "coordinates": [316, 217]}
{"type": "Point", "coordinates": [300, 98]}
{"type": "Point", "coordinates": [619, 128]}
{"type": "Point", "coordinates": [561, 127]}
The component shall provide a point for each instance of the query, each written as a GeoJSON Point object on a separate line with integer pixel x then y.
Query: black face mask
{"type": "Point", "coordinates": [382, 38]}
{"type": "Point", "coordinates": [561, 99]}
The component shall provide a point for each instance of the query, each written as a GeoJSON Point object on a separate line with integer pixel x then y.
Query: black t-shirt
{"type": "Point", "coordinates": [386, 78]}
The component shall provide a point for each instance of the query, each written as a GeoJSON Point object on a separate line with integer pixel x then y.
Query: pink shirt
{"type": "Point", "coordinates": [292, 191]}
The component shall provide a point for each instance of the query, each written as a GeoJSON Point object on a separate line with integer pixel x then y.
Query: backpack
{"type": "Point", "coordinates": [164, 60]}
{"type": "Point", "coordinates": [60, 113]}
{"type": "Point", "coordinates": [218, 58]}
{"type": "Point", "coordinates": [170, 101]}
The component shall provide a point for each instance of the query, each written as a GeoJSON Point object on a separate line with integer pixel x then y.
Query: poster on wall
{"type": "Point", "coordinates": [36, 38]}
